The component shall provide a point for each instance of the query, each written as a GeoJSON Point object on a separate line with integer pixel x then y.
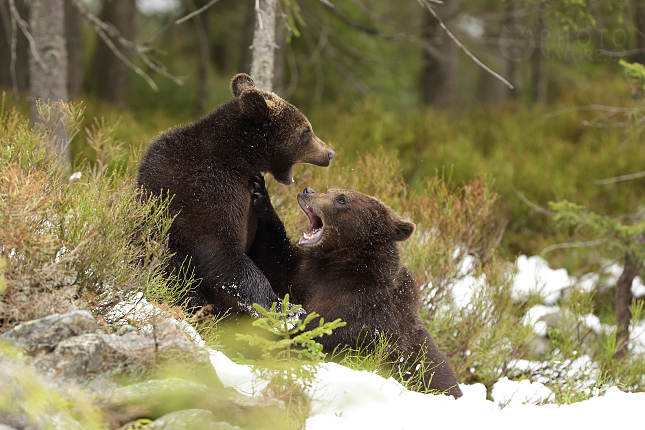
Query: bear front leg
{"type": "Point", "coordinates": [230, 280]}
{"type": "Point", "coordinates": [271, 251]}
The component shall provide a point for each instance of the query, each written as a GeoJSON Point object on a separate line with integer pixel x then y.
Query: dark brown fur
{"type": "Point", "coordinates": [208, 167]}
{"type": "Point", "coordinates": [353, 273]}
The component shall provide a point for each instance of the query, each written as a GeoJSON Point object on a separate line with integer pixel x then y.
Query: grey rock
{"type": "Point", "coordinates": [19, 384]}
{"type": "Point", "coordinates": [93, 353]}
{"type": "Point", "coordinates": [190, 419]}
{"type": "Point", "coordinates": [5, 427]}
{"type": "Point", "coordinates": [187, 419]}
{"type": "Point", "coordinates": [156, 391]}
{"type": "Point", "coordinates": [43, 334]}
{"type": "Point", "coordinates": [173, 344]}
{"type": "Point", "coordinates": [126, 329]}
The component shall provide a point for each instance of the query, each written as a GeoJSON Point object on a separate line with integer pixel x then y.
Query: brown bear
{"type": "Point", "coordinates": [208, 168]}
{"type": "Point", "coordinates": [347, 266]}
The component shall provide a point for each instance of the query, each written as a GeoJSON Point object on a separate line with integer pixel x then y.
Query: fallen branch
{"type": "Point", "coordinates": [195, 13]}
{"type": "Point", "coordinates": [426, 4]}
{"type": "Point", "coordinates": [619, 178]}
{"type": "Point", "coordinates": [532, 205]}
{"type": "Point", "coordinates": [107, 32]}
{"type": "Point", "coordinates": [572, 245]}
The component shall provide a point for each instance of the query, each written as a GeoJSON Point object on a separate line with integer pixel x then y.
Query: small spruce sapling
{"type": "Point", "coordinates": [289, 362]}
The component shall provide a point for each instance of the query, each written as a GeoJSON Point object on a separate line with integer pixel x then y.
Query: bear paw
{"type": "Point", "coordinates": [260, 195]}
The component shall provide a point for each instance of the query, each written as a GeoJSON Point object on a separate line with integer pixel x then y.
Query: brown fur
{"type": "Point", "coordinates": [208, 167]}
{"type": "Point", "coordinates": [353, 273]}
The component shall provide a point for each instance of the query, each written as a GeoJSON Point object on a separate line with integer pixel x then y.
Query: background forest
{"type": "Point", "coordinates": [375, 74]}
{"type": "Point", "coordinates": [552, 167]}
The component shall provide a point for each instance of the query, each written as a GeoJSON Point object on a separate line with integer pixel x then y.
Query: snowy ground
{"type": "Point", "coordinates": [347, 399]}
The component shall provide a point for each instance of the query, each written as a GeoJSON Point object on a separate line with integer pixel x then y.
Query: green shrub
{"type": "Point", "coordinates": [62, 238]}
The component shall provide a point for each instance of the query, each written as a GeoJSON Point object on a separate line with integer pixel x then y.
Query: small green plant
{"type": "Point", "coordinates": [381, 357]}
{"type": "Point", "coordinates": [290, 353]}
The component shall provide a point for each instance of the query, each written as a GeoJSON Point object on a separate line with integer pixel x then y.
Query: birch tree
{"type": "Point", "coordinates": [264, 42]}
{"type": "Point", "coordinates": [48, 70]}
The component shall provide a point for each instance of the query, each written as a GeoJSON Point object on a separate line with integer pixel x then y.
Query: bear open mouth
{"type": "Point", "coordinates": [316, 227]}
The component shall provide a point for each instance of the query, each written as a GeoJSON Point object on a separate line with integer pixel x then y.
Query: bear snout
{"type": "Point", "coordinates": [331, 155]}
{"type": "Point", "coordinates": [309, 190]}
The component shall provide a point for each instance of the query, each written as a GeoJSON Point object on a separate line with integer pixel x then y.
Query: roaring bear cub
{"type": "Point", "coordinates": [208, 168]}
{"type": "Point", "coordinates": [347, 266]}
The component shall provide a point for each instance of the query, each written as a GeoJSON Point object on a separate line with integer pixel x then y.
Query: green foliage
{"type": "Point", "coordinates": [63, 236]}
{"type": "Point", "coordinates": [619, 235]}
{"type": "Point", "coordinates": [379, 357]}
{"type": "Point", "coordinates": [293, 19]}
{"type": "Point", "coordinates": [636, 71]}
{"type": "Point", "coordinates": [289, 362]}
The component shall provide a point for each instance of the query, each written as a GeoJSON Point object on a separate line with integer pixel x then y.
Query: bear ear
{"type": "Point", "coordinates": [253, 104]}
{"type": "Point", "coordinates": [241, 82]}
{"type": "Point", "coordinates": [402, 229]}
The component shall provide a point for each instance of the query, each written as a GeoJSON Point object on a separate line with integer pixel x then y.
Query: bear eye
{"type": "Point", "coordinates": [342, 203]}
{"type": "Point", "coordinates": [306, 135]}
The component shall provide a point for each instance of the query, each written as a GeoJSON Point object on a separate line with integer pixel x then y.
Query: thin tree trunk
{"type": "Point", "coordinates": [439, 61]}
{"type": "Point", "coordinates": [538, 73]}
{"type": "Point", "coordinates": [511, 62]}
{"type": "Point", "coordinates": [14, 75]}
{"type": "Point", "coordinates": [639, 23]}
{"type": "Point", "coordinates": [112, 76]}
{"type": "Point", "coordinates": [48, 72]}
{"type": "Point", "coordinates": [280, 58]}
{"type": "Point", "coordinates": [204, 57]}
{"type": "Point", "coordinates": [262, 62]}
{"type": "Point", "coordinates": [622, 301]}
{"type": "Point", "coordinates": [74, 51]}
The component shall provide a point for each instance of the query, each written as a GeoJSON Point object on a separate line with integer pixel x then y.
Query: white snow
{"type": "Point", "coordinates": [347, 399]}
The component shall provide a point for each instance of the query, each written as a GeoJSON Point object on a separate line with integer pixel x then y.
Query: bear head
{"type": "Point", "coordinates": [290, 137]}
{"type": "Point", "coordinates": [349, 219]}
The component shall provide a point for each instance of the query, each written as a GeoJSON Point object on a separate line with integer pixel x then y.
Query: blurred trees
{"type": "Point", "coordinates": [439, 64]}
{"type": "Point", "coordinates": [335, 51]}
{"type": "Point", "coordinates": [111, 76]}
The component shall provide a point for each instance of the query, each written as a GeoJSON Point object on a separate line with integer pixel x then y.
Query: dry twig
{"type": "Point", "coordinates": [426, 4]}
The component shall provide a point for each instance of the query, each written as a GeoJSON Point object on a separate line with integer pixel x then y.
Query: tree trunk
{"type": "Point", "coordinates": [622, 301]}
{"type": "Point", "coordinates": [639, 23]}
{"type": "Point", "coordinates": [280, 58]}
{"type": "Point", "coordinates": [204, 56]}
{"type": "Point", "coordinates": [74, 51]}
{"type": "Point", "coordinates": [262, 62]}
{"type": "Point", "coordinates": [539, 74]}
{"type": "Point", "coordinates": [48, 73]}
{"type": "Point", "coordinates": [511, 62]}
{"type": "Point", "coordinates": [111, 74]}
{"type": "Point", "coordinates": [439, 61]}
{"type": "Point", "coordinates": [18, 81]}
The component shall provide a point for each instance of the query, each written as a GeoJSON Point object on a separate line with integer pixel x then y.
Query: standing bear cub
{"type": "Point", "coordinates": [208, 168]}
{"type": "Point", "coordinates": [347, 266]}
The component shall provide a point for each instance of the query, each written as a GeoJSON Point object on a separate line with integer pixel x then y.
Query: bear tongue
{"type": "Point", "coordinates": [316, 227]}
